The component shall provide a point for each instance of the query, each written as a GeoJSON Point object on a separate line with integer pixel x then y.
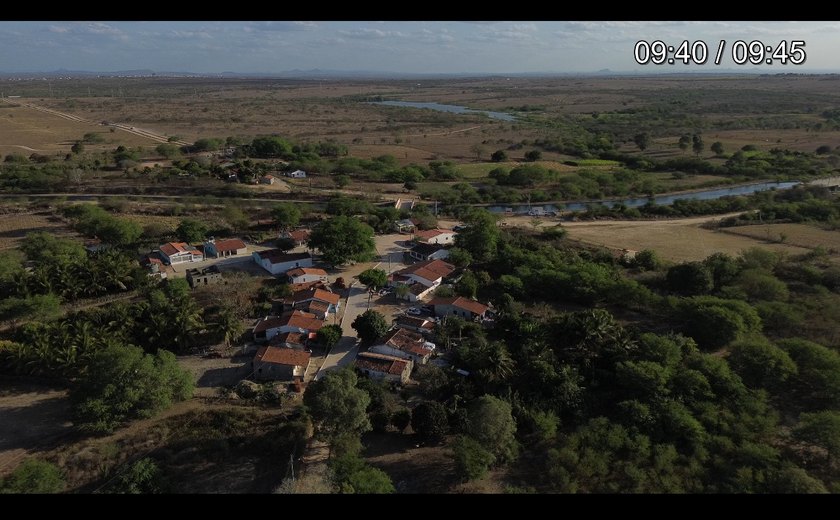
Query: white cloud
{"type": "Point", "coordinates": [370, 34]}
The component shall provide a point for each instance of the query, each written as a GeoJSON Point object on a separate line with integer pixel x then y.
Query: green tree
{"type": "Point", "coordinates": [759, 284]}
{"type": "Point", "coordinates": [491, 424]}
{"type": "Point", "coordinates": [642, 140]}
{"type": "Point", "coordinates": [369, 326]}
{"type": "Point", "coordinates": [428, 420]}
{"type": "Point", "coordinates": [236, 218]}
{"type": "Point", "coordinates": [533, 155]}
{"type": "Point", "coordinates": [34, 476]}
{"type": "Point", "coordinates": [818, 379]}
{"type": "Point", "coordinates": [716, 322]}
{"type": "Point", "coordinates": [341, 181]}
{"type": "Point", "coordinates": [723, 267]}
{"type": "Point", "coordinates": [353, 475]}
{"type": "Point", "coordinates": [191, 230]}
{"type": "Point", "coordinates": [499, 156]}
{"type": "Point", "coordinates": [373, 279]}
{"type": "Point", "coordinates": [227, 325]}
{"type": "Point", "coordinates": [821, 429]}
{"type": "Point", "coordinates": [467, 285]}
{"type": "Point", "coordinates": [684, 142]}
{"type": "Point", "coordinates": [472, 460]}
{"type": "Point", "coordinates": [168, 151]}
{"type": "Point", "coordinates": [480, 236]}
{"type": "Point", "coordinates": [77, 148]}
{"type": "Point", "coordinates": [122, 383]}
{"type": "Point", "coordinates": [459, 257]}
{"type": "Point", "coordinates": [697, 144]}
{"type": "Point", "coordinates": [401, 419]}
{"type": "Point", "coordinates": [761, 364]}
{"type": "Point", "coordinates": [717, 148]}
{"type": "Point", "coordinates": [341, 239]}
{"type": "Point", "coordinates": [647, 260]}
{"type": "Point", "coordinates": [286, 215]}
{"type": "Point", "coordinates": [337, 405]}
{"type": "Point", "coordinates": [690, 278]}
{"type": "Point", "coordinates": [329, 335]}
{"type": "Point", "coordinates": [142, 477]}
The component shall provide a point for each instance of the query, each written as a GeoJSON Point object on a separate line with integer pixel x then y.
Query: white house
{"type": "Point", "coordinates": [294, 321]}
{"type": "Point", "coordinates": [275, 261]}
{"type": "Point", "coordinates": [459, 306]}
{"type": "Point", "coordinates": [315, 300]}
{"type": "Point", "coordinates": [435, 236]}
{"type": "Point", "coordinates": [424, 251]}
{"type": "Point", "coordinates": [297, 174]}
{"type": "Point", "coordinates": [380, 366]}
{"type": "Point", "coordinates": [429, 273]}
{"type": "Point", "coordinates": [179, 252]}
{"type": "Point", "coordinates": [224, 248]}
{"type": "Point", "coordinates": [404, 344]}
{"type": "Point", "coordinates": [306, 274]}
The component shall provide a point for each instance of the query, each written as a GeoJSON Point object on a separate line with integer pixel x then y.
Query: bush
{"type": "Point", "coordinates": [471, 459]}
{"type": "Point", "coordinates": [34, 476]}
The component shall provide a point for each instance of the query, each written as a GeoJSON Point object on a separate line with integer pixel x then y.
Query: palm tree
{"type": "Point", "coordinates": [227, 325]}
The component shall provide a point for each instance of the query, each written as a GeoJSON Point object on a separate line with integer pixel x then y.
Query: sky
{"type": "Point", "coordinates": [402, 47]}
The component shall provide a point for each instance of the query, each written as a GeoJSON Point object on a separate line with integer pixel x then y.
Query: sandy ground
{"type": "Point", "coordinates": [33, 417]}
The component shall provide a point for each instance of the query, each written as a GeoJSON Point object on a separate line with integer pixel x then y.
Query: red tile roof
{"type": "Point", "coordinates": [315, 305]}
{"type": "Point", "coordinates": [405, 341]}
{"type": "Point", "coordinates": [300, 271]}
{"type": "Point", "coordinates": [173, 248]}
{"type": "Point", "coordinates": [412, 321]}
{"type": "Point", "coordinates": [429, 234]}
{"type": "Point", "coordinates": [299, 235]}
{"type": "Point", "coordinates": [297, 319]}
{"type": "Point", "coordinates": [316, 294]}
{"type": "Point", "coordinates": [289, 337]}
{"type": "Point", "coordinates": [283, 356]}
{"type": "Point", "coordinates": [297, 287]}
{"type": "Point", "coordinates": [462, 303]}
{"type": "Point", "coordinates": [380, 363]}
{"type": "Point", "coordinates": [231, 244]}
{"type": "Point", "coordinates": [429, 270]}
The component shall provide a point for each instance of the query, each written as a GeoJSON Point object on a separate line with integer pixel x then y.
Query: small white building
{"type": "Point", "coordinates": [224, 248]}
{"type": "Point", "coordinates": [276, 261]}
{"type": "Point", "coordinates": [306, 274]}
{"type": "Point", "coordinates": [179, 252]}
{"type": "Point", "coordinates": [424, 252]}
{"type": "Point", "coordinates": [435, 236]}
{"type": "Point", "coordinates": [459, 306]}
{"type": "Point", "coordinates": [297, 174]}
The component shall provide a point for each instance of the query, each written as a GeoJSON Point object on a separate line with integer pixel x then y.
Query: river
{"type": "Point", "coordinates": [660, 200]}
{"type": "Point", "coordinates": [454, 109]}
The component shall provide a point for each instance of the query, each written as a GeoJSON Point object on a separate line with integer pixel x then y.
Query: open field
{"type": "Point", "coordinates": [15, 226]}
{"type": "Point", "coordinates": [677, 240]}
{"type": "Point", "coordinates": [766, 111]}
{"type": "Point", "coordinates": [25, 131]}
{"type": "Point", "coordinates": [801, 235]}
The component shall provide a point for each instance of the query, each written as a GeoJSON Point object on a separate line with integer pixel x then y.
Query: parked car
{"type": "Point", "coordinates": [414, 311]}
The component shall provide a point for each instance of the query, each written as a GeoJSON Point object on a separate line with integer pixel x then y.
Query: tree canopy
{"type": "Point", "coordinates": [341, 239]}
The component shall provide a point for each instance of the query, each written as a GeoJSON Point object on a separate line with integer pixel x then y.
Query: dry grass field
{"type": "Point", "coordinates": [677, 240]}
{"type": "Point", "coordinates": [801, 235]}
{"type": "Point", "coordinates": [25, 131]}
{"type": "Point", "coordinates": [15, 226]}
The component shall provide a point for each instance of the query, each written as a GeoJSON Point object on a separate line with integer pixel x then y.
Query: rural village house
{"type": "Point", "coordinates": [280, 364]}
{"type": "Point", "coordinates": [224, 248]}
{"type": "Point", "coordinates": [404, 344]}
{"type": "Point", "coordinates": [179, 252]}
{"type": "Point", "coordinates": [380, 366]}
{"type": "Point", "coordinates": [275, 261]}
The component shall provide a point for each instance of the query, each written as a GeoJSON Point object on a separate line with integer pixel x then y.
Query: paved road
{"type": "Point", "coordinates": [343, 353]}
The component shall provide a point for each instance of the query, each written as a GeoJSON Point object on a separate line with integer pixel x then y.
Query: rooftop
{"type": "Point", "coordinates": [316, 294]}
{"type": "Point", "coordinates": [174, 248]}
{"type": "Point", "coordinates": [276, 256]}
{"type": "Point", "coordinates": [230, 244]}
{"type": "Point", "coordinates": [462, 303]}
{"type": "Point", "coordinates": [283, 356]}
{"type": "Point", "coordinates": [427, 234]}
{"type": "Point", "coordinates": [412, 321]}
{"type": "Point", "coordinates": [429, 270]}
{"type": "Point", "coordinates": [296, 318]}
{"type": "Point", "coordinates": [295, 338]}
{"type": "Point", "coordinates": [380, 363]}
{"type": "Point", "coordinates": [300, 271]}
{"type": "Point", "coordinates": [426, 249]}
{"type": "Point", "coordinates": [406, 341]}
